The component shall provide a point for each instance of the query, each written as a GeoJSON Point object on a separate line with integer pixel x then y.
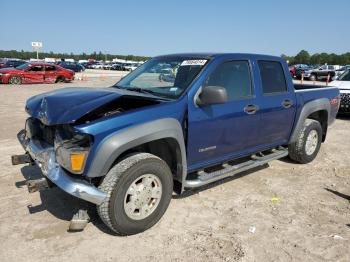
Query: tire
{"type": "Point", "coordinates": [313, 77]}
{"type": "Point", "coordinates": [303, 151]}
{"type": "Point", "coordinates": [117, 184]}
{"type": "Point", "coordinates": [15, 80]}
{"type": "Point", "coordinates": [60, 79]}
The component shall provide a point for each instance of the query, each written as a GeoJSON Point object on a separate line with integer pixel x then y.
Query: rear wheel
{"type": "Point", "coordinates": [15, 80]}
{"type": "Point", "coordinates": [139, 190]}
{"type": "Point", "coordinates": [308, 143]}
{"type": "Point", "coordinates": [60, 79]}
{"type": "Point", "coordinates": [313, 77]}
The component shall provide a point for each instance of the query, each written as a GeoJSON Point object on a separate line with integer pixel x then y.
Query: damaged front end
{"type": "Point", "coordinates": [58, 153]}
{"type": "Point", "coordinates": [52, 140]}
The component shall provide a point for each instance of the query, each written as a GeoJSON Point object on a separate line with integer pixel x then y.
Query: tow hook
{"type": "Point", "coordinates": [79, 221]}
{"type": "Point", "coordinates": [21, 159]}
{"type": "Point", "coordinates": [37, 185]}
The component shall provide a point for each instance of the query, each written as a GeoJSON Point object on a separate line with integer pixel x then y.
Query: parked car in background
{"type": "Point", "coordinates": [297, 67]}
{"type": "Point", "coordinates": [301, 70]}
{"type": "Point", "coordinates": [292, 70]}
{"type": "Point", "coordinates": [130, 66]}
{"type": "Point", "coordinates": [35, 73]}
{"type": "Point", "coordinates": [97, 66]}
{"type": "Point", "coordinates": [342, 70]}
{"type": "Point", "coordinates": [76, 67]}
{"type": "Point", "coordinates": [343, 83]}
{"type": "Point", "coordinates": [117, 66]}
{"type": "Point", "coordinates": [321, 73]}
{"type": "Point", "coordinates": [107, 66]}
{"type": "Point", "coordinates": [8, 63]}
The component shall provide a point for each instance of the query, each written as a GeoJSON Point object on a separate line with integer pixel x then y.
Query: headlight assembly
{"type": "Point", "coordinates": [72, 149]}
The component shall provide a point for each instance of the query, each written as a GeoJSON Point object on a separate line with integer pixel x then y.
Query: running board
{"type": "Point", "coordinates": [228, 170]}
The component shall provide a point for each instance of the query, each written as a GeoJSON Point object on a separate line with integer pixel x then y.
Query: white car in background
{"type": "Point", "coordinates": [130, 67]}
{"type": "Point", "coordinates": [342, 70]}
{"type": "Point", "coordinates": [343, 83]}
{"type": "Point", "coordinates": [97, 66]}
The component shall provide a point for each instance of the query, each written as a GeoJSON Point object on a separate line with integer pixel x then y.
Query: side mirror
{"type": "Point", "coordinates": [212, 95]}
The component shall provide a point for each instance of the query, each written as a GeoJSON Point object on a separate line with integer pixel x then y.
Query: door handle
{"type": "Point", "coordinates": [287, 103]}
{"type": "Point", "coordinates": [251, 109]}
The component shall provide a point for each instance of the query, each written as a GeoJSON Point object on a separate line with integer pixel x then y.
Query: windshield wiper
{"type": "Point", "coordinates": [146, 91]}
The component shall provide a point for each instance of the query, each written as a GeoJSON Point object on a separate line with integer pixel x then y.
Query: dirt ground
{"type": "Point", "coordinates": [282, 212]}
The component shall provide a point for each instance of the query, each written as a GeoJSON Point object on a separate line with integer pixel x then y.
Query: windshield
{"type": "Point", "coordinates": [345, 76]}
{"type": "Point", "coordinates": [163, 76]}
{"type": "Point", "coordinates": [24, 66]}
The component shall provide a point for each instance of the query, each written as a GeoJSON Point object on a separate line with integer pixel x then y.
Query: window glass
{"type": "Point", "coordinates": [50, 68]}
{"type": "Point", "coordinates": [36, 68]}
{"type": "Point", "coordinates": [345, 76]}
{"type": "Point", "coordinates": [234, 76]}
{"type": "Point", "coordinates": [167, 76]}
{"type": "Point", "coordinates": [272, 77]}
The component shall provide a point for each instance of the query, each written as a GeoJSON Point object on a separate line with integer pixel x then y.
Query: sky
{"type": "Point", "coordinates": [152, 27]}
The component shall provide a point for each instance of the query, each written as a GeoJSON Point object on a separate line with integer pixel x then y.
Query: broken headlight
{"type": "Point", "coordinates": [72, 149]}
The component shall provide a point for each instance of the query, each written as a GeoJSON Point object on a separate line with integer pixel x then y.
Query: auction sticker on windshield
{"type": "Point", "coordinates": [193, 62]}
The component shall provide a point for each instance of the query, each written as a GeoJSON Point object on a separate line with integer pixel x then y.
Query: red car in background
{"type": "Point", "coordinates": [292, 70]}
{"type": "Point", "coordinates": [35, 73]}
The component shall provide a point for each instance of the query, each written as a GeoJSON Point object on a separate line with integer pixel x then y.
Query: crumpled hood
{"type": "Point", "coordinates": [67, 105]}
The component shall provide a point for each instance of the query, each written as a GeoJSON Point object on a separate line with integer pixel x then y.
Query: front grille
{"type": "Point", "coordinates": [345, 98]}
{"type": "Point", "coordinates": [37, 130]}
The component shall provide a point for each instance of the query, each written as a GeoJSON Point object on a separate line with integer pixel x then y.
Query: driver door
{"type": "Point", "coordinates": [34, 74]}
{"type": "Point", "coordinates": [219, 132]}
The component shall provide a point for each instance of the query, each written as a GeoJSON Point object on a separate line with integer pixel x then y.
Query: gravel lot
{"type": "Point", "coordinates": [299, 212]}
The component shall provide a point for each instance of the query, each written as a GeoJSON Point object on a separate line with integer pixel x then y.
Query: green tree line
{"type": "Point", "coordinates": [303, 57]}
{"type": "Point", "coordinates": [97, 56]}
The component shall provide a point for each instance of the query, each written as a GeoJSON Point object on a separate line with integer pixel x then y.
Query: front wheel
{"type": "Point", "coordinates": [139, 190]}
{"type": "Point", "coordinates": [308, 143]}
{"type": "Point", "coordinates": [15, 80]}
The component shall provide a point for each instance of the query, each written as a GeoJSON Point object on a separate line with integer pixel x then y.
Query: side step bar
{"type": "Point", "coordinates": [228, 170]}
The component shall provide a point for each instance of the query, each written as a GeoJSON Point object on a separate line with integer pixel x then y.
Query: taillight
{"type": "Point", "coordinates": [335, 101]}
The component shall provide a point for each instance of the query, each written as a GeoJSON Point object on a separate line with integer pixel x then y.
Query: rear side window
{"type": "Point", "coordinates": [36, 68]}
{"type": "Point", "coordinates": [50, 68]}
{"type": "Point", "coordinates": [272, 77]}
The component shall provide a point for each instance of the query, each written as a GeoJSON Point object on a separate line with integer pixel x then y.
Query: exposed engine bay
{"type": "Point", "coordinates": [118, 106]}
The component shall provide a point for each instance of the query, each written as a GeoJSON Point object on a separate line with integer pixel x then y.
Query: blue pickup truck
{"type": "Point", "coordinates": [129, 147]}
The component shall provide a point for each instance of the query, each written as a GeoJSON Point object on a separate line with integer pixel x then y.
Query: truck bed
{"type": "Point", "coordinates": [301, 87]}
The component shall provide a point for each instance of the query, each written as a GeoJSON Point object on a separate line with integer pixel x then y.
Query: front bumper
{"type": "Point", "coordinates": [44, 156]}
{"type": "Point", "coordinates": [344, 103]}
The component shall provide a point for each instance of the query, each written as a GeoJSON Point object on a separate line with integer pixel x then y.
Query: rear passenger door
{"type": "Point", "coordinates": [50, 74]}
{"type": "Point", "coordinates": [277, 103]}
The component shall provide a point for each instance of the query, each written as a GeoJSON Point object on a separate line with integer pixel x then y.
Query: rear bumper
{"type": "Point", "coordinates": [44, 156]}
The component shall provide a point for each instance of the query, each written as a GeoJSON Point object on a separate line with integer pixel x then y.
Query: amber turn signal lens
{"type": "Point", "coordinates": [77, 161]}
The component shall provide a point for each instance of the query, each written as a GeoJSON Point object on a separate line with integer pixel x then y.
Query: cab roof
{"type": "Point", "coordinates": [209, 55]}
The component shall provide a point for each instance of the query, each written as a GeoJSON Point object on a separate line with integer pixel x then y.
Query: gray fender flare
{"type": "Point", "coordinates": [117, 143]}
{"type": "Point", "coordinates": [308, 109]}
